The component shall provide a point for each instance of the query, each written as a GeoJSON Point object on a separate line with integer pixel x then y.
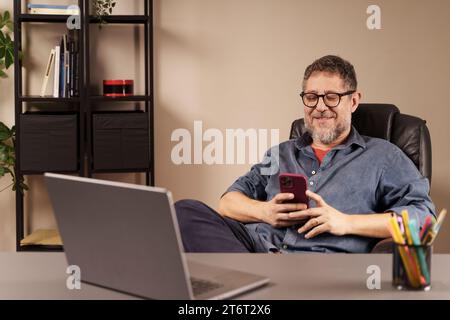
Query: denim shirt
{"type": "Point", "coordinates": [363, 175]}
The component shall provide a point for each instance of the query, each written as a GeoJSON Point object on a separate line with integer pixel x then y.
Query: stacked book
{"type": "Point", "coordinates": [53, 9]}
{"type": "Point", "coordinates": [64, 61]}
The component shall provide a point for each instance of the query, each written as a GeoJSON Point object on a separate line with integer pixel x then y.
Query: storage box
{"type": "Point", "coordinates": [48, 142]}
{"type": "Point", "coordinates": [121, 141]}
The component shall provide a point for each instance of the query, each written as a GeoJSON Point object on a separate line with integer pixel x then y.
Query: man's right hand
{"type": "Point", "coordinates": [276, 213]}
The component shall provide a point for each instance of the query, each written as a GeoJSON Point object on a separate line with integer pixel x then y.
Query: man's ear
{"type": "Point", "coordinates": [356, 98]}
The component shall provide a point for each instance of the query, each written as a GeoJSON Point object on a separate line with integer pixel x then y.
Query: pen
{"type": "Point", "coordinates": [400, 222]}
{"type": "Point", "coordinates": [426, 226]}
{"type": "Point", "coordinates": [412, 253]}
{"type": "Point", "coordinates": [440, 220]}
{"type": "Point", "coordinates": [415, 236]}
{"type": "Point", "coordinates": [438, 225]}
{"type": "Point", "coordinates": [398, 238]}
{"type": "Point", "coordinates": [405, 217]}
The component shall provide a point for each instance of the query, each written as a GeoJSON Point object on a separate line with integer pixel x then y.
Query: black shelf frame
{"type": "Point", "coordinates": [85, 102]}
{"type": "Point", "coordinates": [43, 248]}
{"type": "Point", "coordinates": [122, 19]}
{"type": "Point", "coordinates": [116, 19]}
{"type": "Point", "coordinates": [139, 98]}
{"type": "Point", "coordinates": [38, 99]}
{"type": "Point", "coordinates": [45, 18]}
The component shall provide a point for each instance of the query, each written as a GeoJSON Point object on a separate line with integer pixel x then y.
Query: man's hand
{"type": "Point", "coordinates": [276, 213]}
{"type": "Point", "coordinates": [323, 218]}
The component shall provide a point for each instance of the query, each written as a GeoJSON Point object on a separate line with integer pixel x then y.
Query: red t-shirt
{"type": "Point", "coordinates": [320, 154]}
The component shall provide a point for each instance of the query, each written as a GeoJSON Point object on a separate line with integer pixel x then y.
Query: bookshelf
{"type": "Point", "coordinates": [82, 107]}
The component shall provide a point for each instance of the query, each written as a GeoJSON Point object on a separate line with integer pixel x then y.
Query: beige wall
{"type": "Point", "coordinates": [238, 64]}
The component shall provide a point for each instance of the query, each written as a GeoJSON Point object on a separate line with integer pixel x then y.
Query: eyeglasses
{"type": "Point", "coordinates": [331, 100]}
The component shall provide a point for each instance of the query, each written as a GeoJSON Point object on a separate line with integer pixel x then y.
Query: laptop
{"type": "Point", "coordinates": [125, 237]}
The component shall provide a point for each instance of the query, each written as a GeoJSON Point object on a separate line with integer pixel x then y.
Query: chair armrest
{"type": "Point", "coordinates": [383, 246]}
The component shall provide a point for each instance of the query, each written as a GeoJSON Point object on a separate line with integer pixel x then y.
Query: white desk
{"type": "Point", "coordinates": [295, 276]}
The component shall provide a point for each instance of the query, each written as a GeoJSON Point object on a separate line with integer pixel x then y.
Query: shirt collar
{"type": "Point", "coordinates": [353, 138]}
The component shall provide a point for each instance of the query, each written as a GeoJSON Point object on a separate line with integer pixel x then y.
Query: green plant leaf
{"type": "Point", "coordinates": [6, 16]}
{"type": "Point", "coordinates": [6, 50]}
{"type": "Point", "coordinates": [2, 171]}
{"type": "Point", "coordinates": [3, 74]}
{"type": "Point", "coordinates": [2, 45]}
{"type": "Point", "coordinates": [9, 57]}
{"type": "Point", "coordinates": [5, 132]}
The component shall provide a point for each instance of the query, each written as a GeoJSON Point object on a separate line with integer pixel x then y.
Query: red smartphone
{"type": "Point", "coordinates": [296, 184]}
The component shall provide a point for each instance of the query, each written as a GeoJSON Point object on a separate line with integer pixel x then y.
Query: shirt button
{"type": "Point", "coordinates": [285, 246]}
{"type": "Point", "coordinates": [313, 172]}
{"type": "Point", "coordinates": [311, 183]}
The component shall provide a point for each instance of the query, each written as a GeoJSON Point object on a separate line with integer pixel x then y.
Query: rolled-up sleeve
{"type": "Point", "coordinates": [402, 187]}
{"type": "Point", "coordinates": [253, 183]}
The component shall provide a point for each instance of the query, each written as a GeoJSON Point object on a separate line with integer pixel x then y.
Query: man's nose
{"type": "Point", "coordinates": [321, 106]}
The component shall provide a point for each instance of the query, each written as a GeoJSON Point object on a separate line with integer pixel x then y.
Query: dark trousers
{"type": "Point", "coordinates": [205, 230]}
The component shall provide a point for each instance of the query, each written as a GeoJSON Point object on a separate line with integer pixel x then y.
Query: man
{"type": "Point", "coordinates": [355, 183]}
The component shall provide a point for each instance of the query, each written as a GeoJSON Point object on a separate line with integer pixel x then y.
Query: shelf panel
{"type": "Point", "coordinates": [37, 248]}
{"type": "Point", "coordinates": [120, 99]}
{"type": "Point", "coordinates": [42, 240]}
{"type": "Point", "coordinates": [46, 18]}
{"type": "Point", "coordinates": [48, 99]}
{"type": "Point", "coordinates": [121, 19]}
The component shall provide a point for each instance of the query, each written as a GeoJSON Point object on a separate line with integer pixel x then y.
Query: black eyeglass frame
{"type": "Point", "coordinates": [340, 95]}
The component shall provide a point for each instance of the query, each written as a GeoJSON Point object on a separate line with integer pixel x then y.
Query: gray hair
{"type": "Point", "coordinates": [334, 65]}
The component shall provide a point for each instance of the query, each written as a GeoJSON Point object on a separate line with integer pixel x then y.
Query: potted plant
{"type": "Point", "coordinates": [7, 135]}
{"type": "Point", "coordinates": [102, 8]}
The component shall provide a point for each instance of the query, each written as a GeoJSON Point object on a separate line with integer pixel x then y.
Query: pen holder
{"type": "Point", "coordinates": [412, 267]}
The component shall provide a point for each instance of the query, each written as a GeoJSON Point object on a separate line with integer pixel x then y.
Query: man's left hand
{"type": "Point", "coordinates": [323, 218]}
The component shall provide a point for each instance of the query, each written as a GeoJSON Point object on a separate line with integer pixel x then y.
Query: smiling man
{"type": "Point", "coordinates": [355, 183]}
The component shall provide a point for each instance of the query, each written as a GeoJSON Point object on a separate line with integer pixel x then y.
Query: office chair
{"type": "Point", "coordinates": [385, 121]}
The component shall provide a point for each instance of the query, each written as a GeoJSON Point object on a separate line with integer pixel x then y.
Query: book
{"type": "Point", "coordinates": [50, 63]}
{"type": "Point", "coordinates": [69, 12]}
{"type": "Point", "coordinates": [53, 9]}
{"type": "Point", "coordinates": [66, 71]}
{"type": "Point", "coordinates": [72, 43]}
{"type": "Point", "coordinates": [48, 6]}
{"type": "Point", "coordinates": [61, 69]}
{"type": "Point", "coordinates": [64, 67]}
{"type": "Point", "coordinates": [57, 71]}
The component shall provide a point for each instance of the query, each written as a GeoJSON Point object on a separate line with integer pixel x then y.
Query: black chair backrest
{"type": "Point", "coordinates": [385, 121]}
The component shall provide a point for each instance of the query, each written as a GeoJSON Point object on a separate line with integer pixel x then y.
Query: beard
{"type": "Point", "coordinates": [326, 133]}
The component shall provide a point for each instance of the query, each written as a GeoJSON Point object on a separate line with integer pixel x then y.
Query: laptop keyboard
{"type": "Point", "coordinates": [200, 286]}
